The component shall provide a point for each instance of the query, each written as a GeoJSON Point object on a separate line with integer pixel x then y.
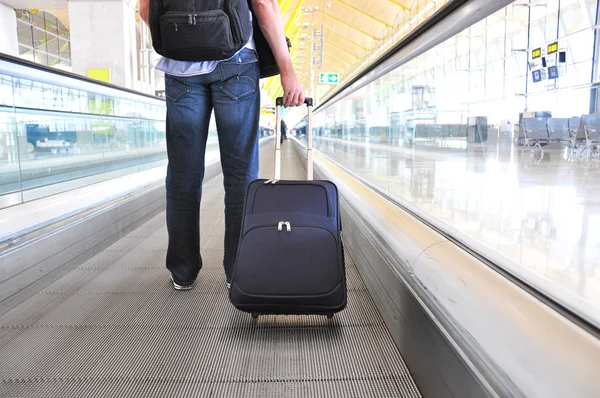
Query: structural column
{"type": "Point", "coordinates": [103, 40]}
{"type": "Point", "coordinates": [9, 41]}
{"type": "Point", "coordinates": [595, 92]}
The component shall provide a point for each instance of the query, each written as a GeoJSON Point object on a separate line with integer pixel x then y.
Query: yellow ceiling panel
{"type": "Point", "coordinates": [330, 67]}
{"type": "Point", "coordinates": [343, 41]}
{"type": "Point", "coordinates": [368, 30]}
{"type": "Point", "coordinates": [340, 54]}
{"type": "Point", "coordinates": [380, 10]}
{"type": "Point", "coordinates": [291, 23]}
{"type": "Point", "coordinates": [353, 30]}
{"type": "Point", "coordinates": [335, 60]}
{"type": "Point", "coordinates": [356, 17]}
{"type": "Point", "coordinates": [62, 15]}
{"type": "Point", "coordinates": [350, 32]}
{"type": "Point", "coordinates": [287, 9]}
{"type": "Point", "coordinates": [404, 4]}
{"type": "Point", "coordinates": [351, 51]}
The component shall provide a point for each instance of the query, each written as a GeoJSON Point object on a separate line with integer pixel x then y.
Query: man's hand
{"type": "Point", "coordinates": [292, 89]}
{"type": "Point", "coordinates": [269, 20]}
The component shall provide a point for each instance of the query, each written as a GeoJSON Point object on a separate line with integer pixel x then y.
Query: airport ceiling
{"type": "Point", "coordinates": [354, 33]}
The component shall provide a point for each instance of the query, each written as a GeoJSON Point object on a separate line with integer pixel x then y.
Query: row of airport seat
{"type": "Point", "coordinates": [578, 133]}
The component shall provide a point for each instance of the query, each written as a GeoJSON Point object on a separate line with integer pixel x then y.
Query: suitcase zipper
{"type": "Point", "coordinates": [286, 223]}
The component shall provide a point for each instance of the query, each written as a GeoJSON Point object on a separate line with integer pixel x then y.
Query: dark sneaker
{"type": "Point", "coordinates": [181, 286]}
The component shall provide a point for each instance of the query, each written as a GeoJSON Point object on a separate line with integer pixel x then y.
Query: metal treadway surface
{"type": "Point", "coordinates": [114, 327]}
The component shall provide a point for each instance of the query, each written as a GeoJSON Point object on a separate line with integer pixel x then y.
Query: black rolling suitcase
{"type": "Point", "coordinates": [290, 258]}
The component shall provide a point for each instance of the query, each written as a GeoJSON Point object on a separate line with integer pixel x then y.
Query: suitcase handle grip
{"type": "Point", "coordinates": [309, 156]}
{"type": "Point", "coordinates": [308, 101]}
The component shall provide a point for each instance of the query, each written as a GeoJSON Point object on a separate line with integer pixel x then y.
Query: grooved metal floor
{"type": "Point", "coordinates": [115, 327]}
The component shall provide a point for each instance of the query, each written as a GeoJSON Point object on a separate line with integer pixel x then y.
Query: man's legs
{"type": "Point", "coordinates": [188, 114]}
{"type": "Point", "coordinates": [236, 100]}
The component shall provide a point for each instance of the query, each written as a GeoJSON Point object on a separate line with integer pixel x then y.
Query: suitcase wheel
{"type": "Point", "coordinates": [254, 315]}
{"type": "Point", "coordinates": [329, 316]}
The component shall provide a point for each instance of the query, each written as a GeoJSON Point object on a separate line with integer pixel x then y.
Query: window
{"type": "Point", "coordinates": [43, 39]}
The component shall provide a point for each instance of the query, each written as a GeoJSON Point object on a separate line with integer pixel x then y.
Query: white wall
{"type": "Point", "coordinates": [9, 41]}
{"type": "Point", "coordinates": [103, 36]}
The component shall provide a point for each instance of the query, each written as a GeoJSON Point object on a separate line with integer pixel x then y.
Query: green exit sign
{"type": "Point", "coordinates": [329, 78]}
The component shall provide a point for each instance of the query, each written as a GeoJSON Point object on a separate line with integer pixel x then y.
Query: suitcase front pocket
{"type": "Point", "coordinates": [288, 260]}
{"type": "Point", "coordinates": [299, 197]}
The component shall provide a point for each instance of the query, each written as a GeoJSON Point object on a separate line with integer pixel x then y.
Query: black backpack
{"type": "Point", "coordinates": [199, 30]}
{"type": "Point", "coordinates": [266, 59]}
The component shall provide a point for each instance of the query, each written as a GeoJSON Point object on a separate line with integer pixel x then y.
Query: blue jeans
{"type": "Point", "coordinates": [232, 91]}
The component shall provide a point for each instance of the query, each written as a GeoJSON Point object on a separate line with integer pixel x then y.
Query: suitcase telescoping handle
{"type": "Point", "coordinates": [309, 158]}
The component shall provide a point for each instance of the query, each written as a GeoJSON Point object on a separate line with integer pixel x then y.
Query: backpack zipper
{"type": "Point", "coordinates": [191, 21]}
